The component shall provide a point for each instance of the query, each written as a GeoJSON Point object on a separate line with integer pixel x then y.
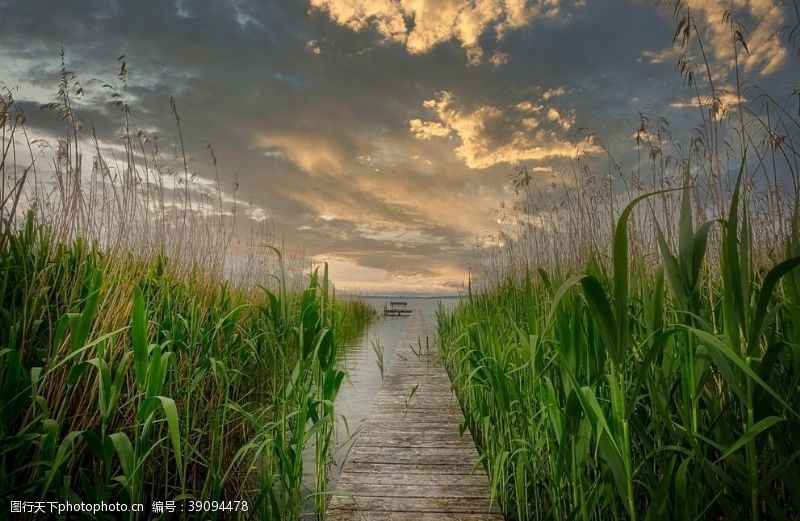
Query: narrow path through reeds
{"type": "Point", "coordinates": [412, 460]}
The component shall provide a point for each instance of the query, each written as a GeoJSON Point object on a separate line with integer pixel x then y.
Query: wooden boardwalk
{"type": "Point", "coordinates": [410, 462]}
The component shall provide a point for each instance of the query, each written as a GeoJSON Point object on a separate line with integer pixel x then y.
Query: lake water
{"type": "Point", "coordinates": [363, 379]}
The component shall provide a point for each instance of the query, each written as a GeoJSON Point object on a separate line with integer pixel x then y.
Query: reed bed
{"type": "Point", "coordinates": [631, 350]}
{"type": "Point", "coordinates": [141, 358]}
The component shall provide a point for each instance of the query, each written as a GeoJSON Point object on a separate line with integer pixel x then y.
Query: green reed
{"type": "Point", "coordinates": [124, 381]}
{"type": "Point", "coordinates": [140, 360]}
{"type": "Point", "coordinates": [644, 363]}
{"type": "Point", "coordinates": [603, 395]}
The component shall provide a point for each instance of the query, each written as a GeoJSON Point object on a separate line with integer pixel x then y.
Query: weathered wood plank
{"type": "Point", "coordinates": [405, 416]}
{"type": "Point", "coordinates": [410, 381]}
{"type": "Point", "coordinates": [414, 420]}
{"type": "Point", "coordinates": [419, 408]}
{"type": "Point", "coordinates": [406, 436]}
{"type": "Point", "coordinates": [416, 468]}
{"type": "Point", "coordinates": [414, 504]}
{"type": "Point", "coordinates": [397, 490]}
{"type": "Point", "coordinates": [410, 461]}
{"type": "Point", "coordinates": [402, 455]}
{"type": "Point", "coordinates": [409, 441]}
{"type": "Point", "coordinates": [350, 515]}
{"type": "Point", "coordinates": [397, 478]}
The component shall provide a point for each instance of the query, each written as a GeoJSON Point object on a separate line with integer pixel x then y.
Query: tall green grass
{"type": "Point", "coordinates": [136, 365]}
{"type": "Point", "coordinates": [615, 394]}
{"type": "Point", "coordinates": [637, 356]}
{"type": "Point", "coordinates": [123, 381]}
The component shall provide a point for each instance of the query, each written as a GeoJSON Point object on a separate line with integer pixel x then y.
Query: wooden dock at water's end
{"type": "Point", "coordinates": [396, 309]}
{"type": "Point", "coordinates": [410, 461]}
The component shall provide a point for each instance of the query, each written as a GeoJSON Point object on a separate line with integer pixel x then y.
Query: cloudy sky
{"type": "Point", "coordinates": [380, 134]}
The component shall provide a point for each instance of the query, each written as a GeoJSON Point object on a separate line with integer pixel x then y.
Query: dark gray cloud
{"type": "Point", "coordinates": [312, 117]}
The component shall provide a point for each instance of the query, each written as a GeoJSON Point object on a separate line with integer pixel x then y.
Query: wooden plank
{"type": "Point", "coordinates": [350, 515]}
{"type": "Point", "coordinates": [376, 436]}
{"type": "Point", "coordinates": [410, 460]}
{"type": "Point", "coordinates": [421, 381]}
{"type": "Point", "coordinates": [408, 397]}
{"type": "Point", "coordinates": [399, 411]}
{"type": "Point", "coordinates": [354, 478]}
{"type": "Point", "coordinates": [402, 455]}
{"type": "Point", "coordinates": [437, 390]}
{"type": "Point", "coordinates": [395, 490]}
{"type": "Point", "coordinates": [399, 417]}
{"type": "Point", "coordinates": [414, 504]}
{"type": "Point", "coordinates": [407, 435]}
{"type": "Point", "coordinates": [444, 469]}
{"type": "Point", "coordinates": [419, 407]}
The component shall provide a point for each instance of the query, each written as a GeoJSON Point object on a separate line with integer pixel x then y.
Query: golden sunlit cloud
{"type": "Point", "coordinates": [419, 25]}
{"type": "Point", "coordinates": [499, 58]}
{"type": "Point", "coordinates": [353, 277]}
{"type": "Point", "coordinates": [666, 55]}
{"type": "Point", "coordinates": [766, 52]}
{"type": "Point", "coordinates": [311, 153]}
{"type": "Point", "coordinates": [489, 135]}
{"type": "Point", "coordinates": [313, 47]}
{"type": "Point", "coordinates": [763, 19]}
{"type": "Point", "coordinates": [724, 102]}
